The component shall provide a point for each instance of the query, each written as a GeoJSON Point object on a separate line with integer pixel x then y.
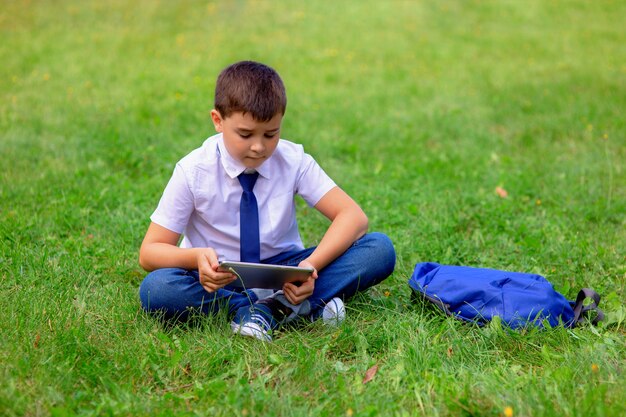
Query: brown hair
{"type": "Point", "coordinates": [250, 87]}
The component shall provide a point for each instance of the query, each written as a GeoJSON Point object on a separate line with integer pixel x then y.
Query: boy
{"type": "Point", "coordinates": [233, 199]}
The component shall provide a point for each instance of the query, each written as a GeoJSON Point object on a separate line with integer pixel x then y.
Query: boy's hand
{"type": "Point", "coordinates": [296, 294]}
{"type": "Point", "coordinates": [211, 278]}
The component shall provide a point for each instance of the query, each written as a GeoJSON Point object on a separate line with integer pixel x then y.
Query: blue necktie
{"type": "Point", "coordinates": [250, 246]}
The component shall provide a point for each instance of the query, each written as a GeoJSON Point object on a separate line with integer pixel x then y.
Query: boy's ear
{"type": "Point", "coordinates": [216, 117]}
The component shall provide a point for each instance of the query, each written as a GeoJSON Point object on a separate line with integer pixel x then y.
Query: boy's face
{"type": "Point", "coordinates": [249, 141]}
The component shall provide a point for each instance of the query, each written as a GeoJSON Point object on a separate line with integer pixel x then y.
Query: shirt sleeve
{"type": "Point", "coordinates": [176, 204]}
{"type": "Point", "coordinates": [312, 183]}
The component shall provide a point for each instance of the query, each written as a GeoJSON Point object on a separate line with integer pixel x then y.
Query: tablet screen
{"type": "Point", "coordinates": [254, 275]}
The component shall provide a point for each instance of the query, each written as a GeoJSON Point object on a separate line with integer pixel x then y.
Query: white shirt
{"type": "Point", "coordinates": [201, 200]}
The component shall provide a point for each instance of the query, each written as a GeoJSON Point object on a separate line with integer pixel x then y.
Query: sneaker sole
{"type": "Point", "coordinates": [251, 330]}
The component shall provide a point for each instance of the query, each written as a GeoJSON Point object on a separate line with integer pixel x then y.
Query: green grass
{"type": "Point", "coordinates": [418, 109]}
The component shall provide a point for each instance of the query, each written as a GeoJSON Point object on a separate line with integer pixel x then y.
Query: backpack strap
{"type": "Point", "coordinates": [581, 311]}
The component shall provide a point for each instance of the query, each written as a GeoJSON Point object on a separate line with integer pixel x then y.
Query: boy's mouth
{"type": "Point", "coordinates": [256, 158]}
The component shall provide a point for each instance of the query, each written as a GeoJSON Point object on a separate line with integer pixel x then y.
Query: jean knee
{"type": "Point", "coordinates": [383, 248]}
{"type": "Point", "coordinates": [151, 290]}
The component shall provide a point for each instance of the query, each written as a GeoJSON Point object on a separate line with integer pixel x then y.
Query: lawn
{"type": "Point", "coordinates": [420, 110]}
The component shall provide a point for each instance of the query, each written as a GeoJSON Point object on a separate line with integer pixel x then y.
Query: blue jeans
{"type": "Point", "coordinates": [175, 292]}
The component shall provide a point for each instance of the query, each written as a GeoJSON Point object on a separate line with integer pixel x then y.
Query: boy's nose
{"type": "Point", "coordinates": [257, 146]}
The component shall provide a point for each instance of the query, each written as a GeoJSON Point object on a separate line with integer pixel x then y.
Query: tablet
{"type": "Point", "coordinates": [253, 275]}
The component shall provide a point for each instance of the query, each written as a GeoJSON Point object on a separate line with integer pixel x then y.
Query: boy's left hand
{"type": "Point", "coordinates": [296, 294]}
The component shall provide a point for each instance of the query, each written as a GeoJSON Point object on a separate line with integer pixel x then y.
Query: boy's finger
{"type": "Point", "coordinates": [216, 277]}
{"type": "Point", "coordinates": [296, 294]}
{"type": "Point", "coordinates": [291, 289]}
{"type": "Point", "coordinates": [293, 299]}
{"type": "Point", "coordinates": [208, 287]}
{"type": "Point", "coordinates": [224, 278]}
{"type": "Point", "coordinates": [287, 290]}
{"type": "Point", "coordinates": [212, 284]}
{"type": "Point", "coordinates": [290, 294]}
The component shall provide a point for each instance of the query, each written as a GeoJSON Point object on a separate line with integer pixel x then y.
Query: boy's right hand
{"type": "Point", "coordinates": [211, 278]}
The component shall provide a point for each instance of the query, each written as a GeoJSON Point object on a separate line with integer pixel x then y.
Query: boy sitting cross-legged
{"type": "Point", "coordinates": [233, 199]}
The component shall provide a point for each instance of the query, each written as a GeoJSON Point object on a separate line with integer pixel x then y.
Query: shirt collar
{"type": "Point", "coordinates": [232, 166]}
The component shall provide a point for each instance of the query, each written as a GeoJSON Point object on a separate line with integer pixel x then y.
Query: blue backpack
{"type": "Point", "coordinates": [477, 295]}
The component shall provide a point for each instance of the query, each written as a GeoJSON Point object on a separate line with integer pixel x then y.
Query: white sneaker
{"type": "Point", "coordinates": [334, 312]}
{"type": "Point", "coordinates": [252, 324]}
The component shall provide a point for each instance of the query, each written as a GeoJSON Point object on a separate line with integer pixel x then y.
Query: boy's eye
{"type": "Point", "coordinates": [245, 135]}
{"type": "Point", "coordinates": [270, 135]}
